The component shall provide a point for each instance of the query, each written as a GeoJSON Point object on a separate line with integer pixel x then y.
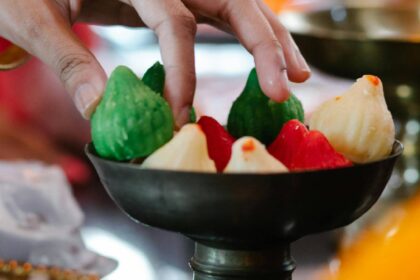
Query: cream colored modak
{"type": "Point", "coordinates": [358, 124]}
{"type": "Point", "coordinates": [250, 156]}
{"type": "Point", "coordinates": [187, 151]}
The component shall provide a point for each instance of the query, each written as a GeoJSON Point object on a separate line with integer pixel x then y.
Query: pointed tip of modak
{"type": "Point", "coordinates": [156, 68]}
{"type": "Point", "coordinates": [252, 82]}
{"type": "Point", "coordinates": [374, 80]}
{"type": "Point", "coordinates": [250, 156]}
{"type": "Point", "coordinates": [247, 144]}
{"type": "Point", "coordinates": [192, 127]}
{"type": "Point", "coordinates": [187, 151]}
{"type": "Point", "coordinates": [122, 71]}
{"type": "Point", "coordinates": [367, 86]}
{"type": "Point", "coordinates": [369, 80]}
{"type": "Point", "coordinates": [157, 64]}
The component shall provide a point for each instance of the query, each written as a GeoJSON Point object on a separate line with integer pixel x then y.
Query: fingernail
{"type": "Point", "coordinates": [182, 117]}
{"type": "Point", "coordinates": [86, 98]}
{"type": "Point", "coordinates": [284, 79]}
{"type": "Point", "coordinates": [300, 60]}
{"type": "Point", "coordinates": [304, 67]}
{"type": "Point", "coordinates": [285, 85]}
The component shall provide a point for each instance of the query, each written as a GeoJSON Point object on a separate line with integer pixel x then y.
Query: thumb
{"type": "Point", "coordinates": [80, 72]}
{"type": "Point", "coordinates": [82, 77]}
{"type": "Point", "coordinates": [48, 35]}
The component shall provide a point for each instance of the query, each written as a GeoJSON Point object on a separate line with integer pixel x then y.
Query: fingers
{"type": "Point", "coordinates": [297, 68]}
{"type": "Point", "coordinates": [109, 12]}
{"type": "Point", "coordinates": [44, 32]}
{"type": "Point", "coordinates": [175, 27]}
{"type": "Point", "coordinates": [256, 34]}
{"type": "Point", "coordinates": [253, 30]}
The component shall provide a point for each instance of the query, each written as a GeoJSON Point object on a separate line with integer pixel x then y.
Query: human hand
{"type": "Point", "coordinates": [43, 28]}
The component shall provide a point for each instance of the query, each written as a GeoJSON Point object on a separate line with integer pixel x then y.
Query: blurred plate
{"type": "Point", "coordinates": [350, 42]}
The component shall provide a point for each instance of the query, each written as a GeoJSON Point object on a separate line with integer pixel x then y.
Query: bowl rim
{"type": "Point", "coordinates": [397, 150]}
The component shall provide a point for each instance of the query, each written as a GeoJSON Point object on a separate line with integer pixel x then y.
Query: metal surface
{"type": "Point", "coordinates": [242, 223]}
{"type": "Point", "coordinates": [245, 210]}
{"type": "Point", "coordinates": [350, 42]}
{"type": "Point", "coordinates": [211, 263]}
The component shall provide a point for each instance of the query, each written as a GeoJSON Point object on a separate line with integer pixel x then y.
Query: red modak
{"type": "Point", "coordinates": [219, 141]}
{"type": "Point", "coordinates": [301, 149]}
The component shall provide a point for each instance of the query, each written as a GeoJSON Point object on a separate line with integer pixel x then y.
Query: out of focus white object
{"type": "Point", "coordinates": [249, 155]}
{"type": "Point", "coordinates": [40, 220]}
{"type": "Point", "coordinates": [186, 151]}
{"type": "Point", "coordinates": [133, 261]}
{"type": "Point", "coordinates": [358, 124]}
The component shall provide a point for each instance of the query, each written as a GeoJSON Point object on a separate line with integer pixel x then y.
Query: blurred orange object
{"type": "Point", "coordinates": [276, 5]}
{"type": "Point", "coordinates": [387, 251]}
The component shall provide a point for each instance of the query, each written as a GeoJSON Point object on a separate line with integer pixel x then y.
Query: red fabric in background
{"type": "Point", "coordinates": [11, 87]}
{"type": "Point", "coordinates": [4, 44]}
{"type": "Point", "coordinates": [8, 102]}
{"type": "Point", "coordinates": [32, 97]}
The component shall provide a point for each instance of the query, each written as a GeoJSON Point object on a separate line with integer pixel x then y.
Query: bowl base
{"type": "Point", "coordinates": [211, 263]}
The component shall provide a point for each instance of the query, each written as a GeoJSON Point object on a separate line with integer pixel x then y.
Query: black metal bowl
{"type": "Point", "coordinates": [351, 42]}
{"type": "Point", "coordinates": [245, 210]}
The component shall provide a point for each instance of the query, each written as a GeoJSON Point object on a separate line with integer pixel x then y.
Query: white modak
{"type": "Point", "coordinates": [358, 124]}
{"type": "Point", "coordinates": [187, 151]}
{"type": "Point", "coordinates": [249, 155]}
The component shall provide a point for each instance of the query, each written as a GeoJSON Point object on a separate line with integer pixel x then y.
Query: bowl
{"type": "Point", "coordinates": [243, 222]}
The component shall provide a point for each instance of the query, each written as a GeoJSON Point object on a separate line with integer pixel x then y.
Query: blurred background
{"type": "Point", "coordinates": [40, 127]}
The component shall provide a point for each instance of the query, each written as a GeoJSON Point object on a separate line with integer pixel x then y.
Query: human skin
{"type": "Point", "coordinates": [43, 28]}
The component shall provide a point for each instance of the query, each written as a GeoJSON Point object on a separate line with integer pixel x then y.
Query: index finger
{"type": "Point", "coordinates": [298, 70]}
{"type": "Point", "coordinates": [175, 27]}
{"type": "Point", "coordinates": [254, 31]}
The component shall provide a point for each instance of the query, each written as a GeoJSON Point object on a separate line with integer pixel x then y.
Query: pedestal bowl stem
{"type": "Point", "coordinates": [211, 263]}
